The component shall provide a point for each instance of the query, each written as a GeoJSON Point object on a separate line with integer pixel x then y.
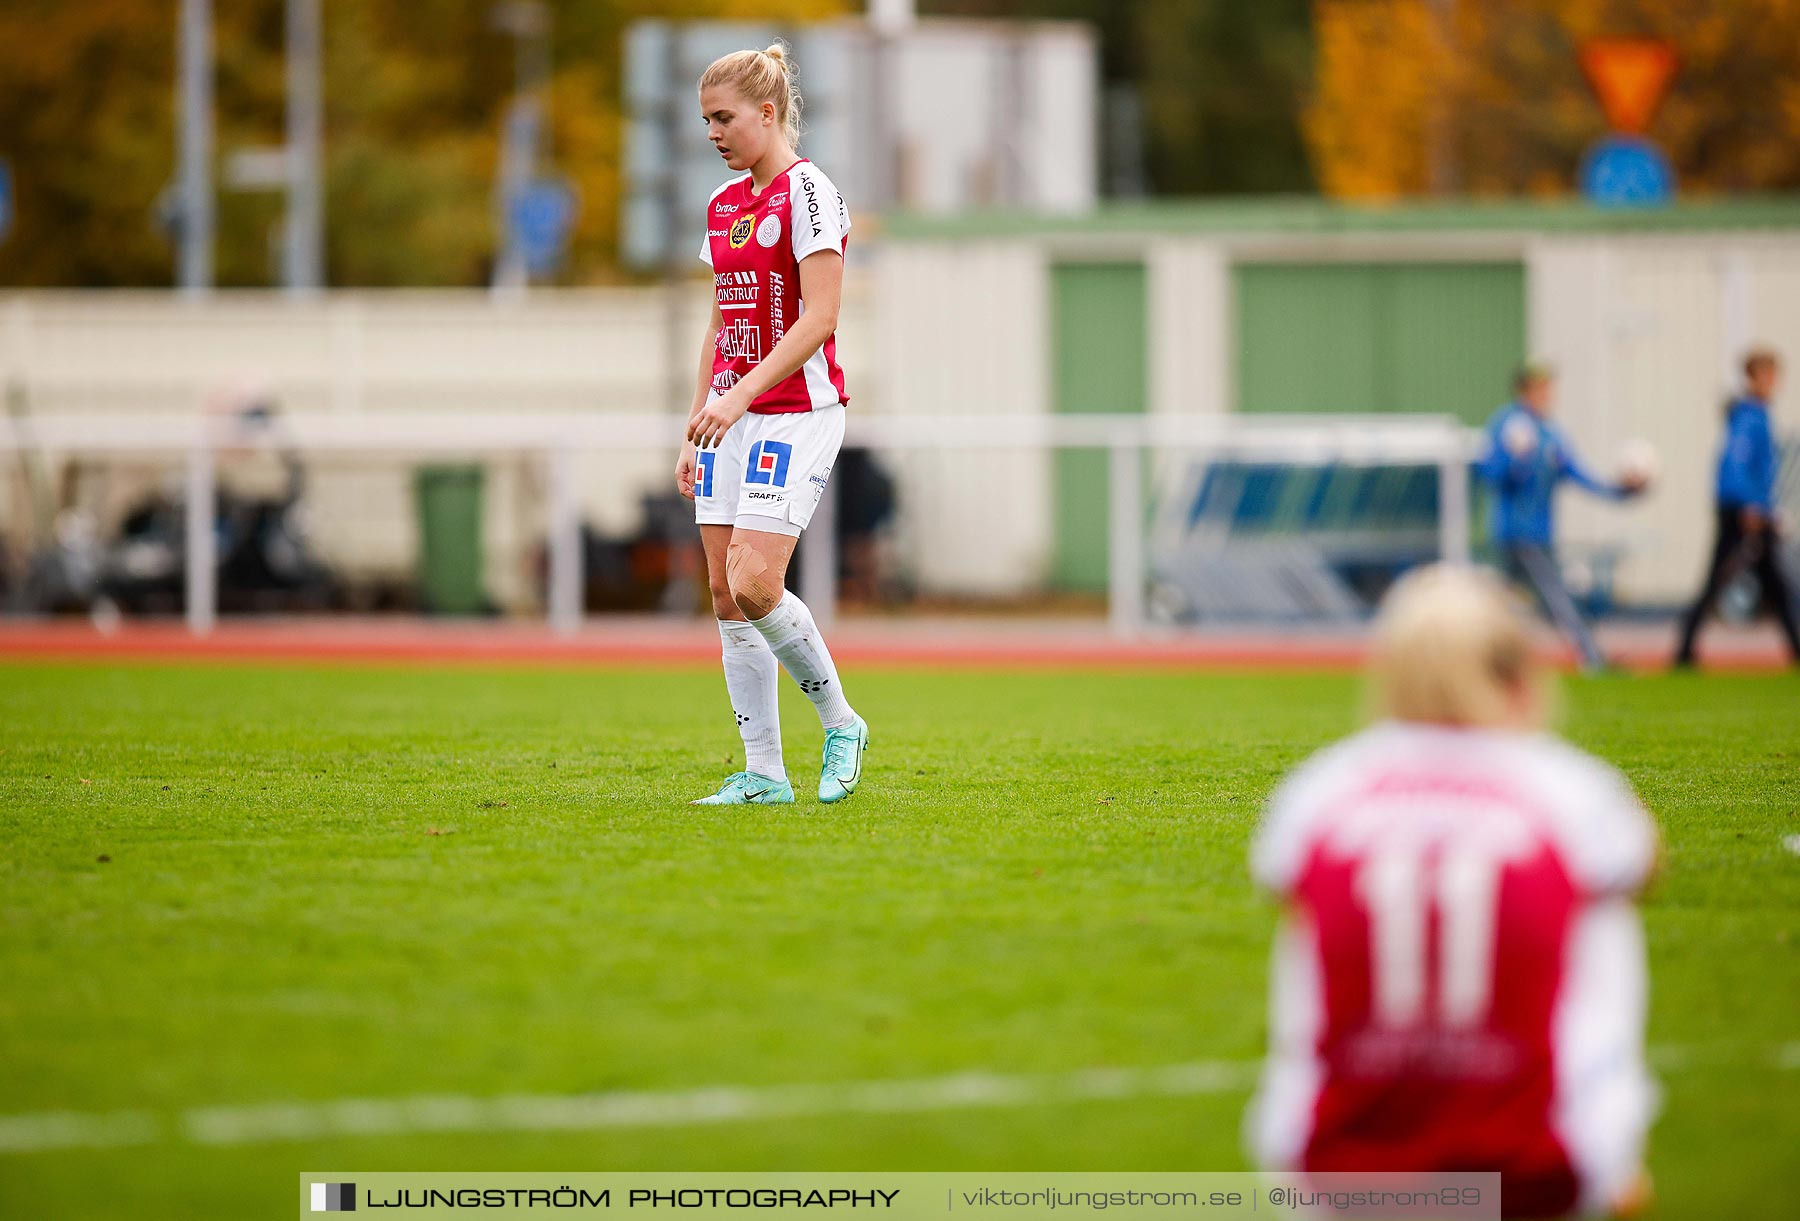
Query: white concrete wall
{"type": "Point", "coordinates": [377, 353]}
{"type": "Point", "coordinates": [963, 331]}
{"type": "Point", "coordinates": [1645, 330]}
{"type": "Point", "coordinates": [1191, 328]}
{"type": "Point", "coordinates": [976, 100]}
{"type": "Point", "coordinates": [1647, 333]}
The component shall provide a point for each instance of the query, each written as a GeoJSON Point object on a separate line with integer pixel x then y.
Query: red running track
{"type": "Point", "coordinates": [855, 640]}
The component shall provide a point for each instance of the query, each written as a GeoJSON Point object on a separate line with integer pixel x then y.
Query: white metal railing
{"type": "Point", "coordinates": [1439, 441]}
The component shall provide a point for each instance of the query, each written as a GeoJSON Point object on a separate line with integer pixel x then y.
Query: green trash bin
{"type": "Point", "coordinates": [450, 539]}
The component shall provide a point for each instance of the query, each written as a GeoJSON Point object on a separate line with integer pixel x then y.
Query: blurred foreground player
{"type": "Point", "coordinates": [1458, 983]}
{"type": "Point", "coordinates": [1748, 532]}
{"type": "Point", "coordinates": [1525, 460]}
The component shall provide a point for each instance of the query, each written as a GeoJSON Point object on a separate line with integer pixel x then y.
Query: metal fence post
{"type": "Point", "coordinates": [1125, 551]}
{"type": "Point", "coordinates": [818, 567]}
{"type": "Point", "coordinates": [202, 544]}
{"type": "Point", "coordinates": [1453, 503]}
{"type": "Point", "coordinates": [565, 576]}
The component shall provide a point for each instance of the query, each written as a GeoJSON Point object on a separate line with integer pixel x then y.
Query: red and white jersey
{"type": "Point", "coordinates": [1459, 980]}
{"type": "Point", "coordinates": [754, 244]}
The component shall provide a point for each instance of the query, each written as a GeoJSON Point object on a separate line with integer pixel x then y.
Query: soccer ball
{"type": "Point", "coordinates": [1637, 461]}
{"type": "Point", "coordinates": [1519, 437]}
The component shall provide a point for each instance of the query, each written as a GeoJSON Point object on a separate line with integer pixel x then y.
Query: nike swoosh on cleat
{"type": "Point", "coordinates": [748, 796]}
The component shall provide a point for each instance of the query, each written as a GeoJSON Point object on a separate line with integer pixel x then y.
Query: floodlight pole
{"type": "Point", "coordinates": [195, 90]}
{"type": "Point", "coordinates": [892, 16]}
{"type": "Point", "coordinates": [522, 128]}
{"type": "Point", "coordinates": [675, 267]}
{"type": "Point", "coordinates": [1442, 172]}
{"type": "Point", "coordinates": [889, 20]}
{"type": "Point", "coordinates": [303, 244]}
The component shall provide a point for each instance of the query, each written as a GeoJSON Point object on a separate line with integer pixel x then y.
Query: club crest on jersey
{"type": "Point", "coordinates": [769, 463]}
{"type": "Point", "coordinates": [703, 472]}
{"type": "Point", "coordinates": [769, 232]}
{"type": "Point", "coordinates": [740, 232]}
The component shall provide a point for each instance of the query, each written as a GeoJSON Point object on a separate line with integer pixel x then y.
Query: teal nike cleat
{"type": "Point", "coordinates": [843, 760]}
{"type": "Point", "coordinates": [749, 789]}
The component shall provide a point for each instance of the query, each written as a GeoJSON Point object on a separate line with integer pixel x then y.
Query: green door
{"type": "Point", "coordinates": [1099, 355]}
{"type": "Point", "coordinates": [1378, 337]}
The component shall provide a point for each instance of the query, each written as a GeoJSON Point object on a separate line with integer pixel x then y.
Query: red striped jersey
{"type": "Point", "coordinates": [1459, 981]}
{"type": "Point", "coordinates": [754, 245]}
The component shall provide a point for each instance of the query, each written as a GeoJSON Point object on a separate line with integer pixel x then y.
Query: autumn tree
{"type": "Point", "coordinates": [1420, 96]}
{"type": "Point", "coordinates": [414, 91]}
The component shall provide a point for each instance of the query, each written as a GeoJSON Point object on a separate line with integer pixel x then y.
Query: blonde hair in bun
{"type": "Point", "coordinates": [761, 76]}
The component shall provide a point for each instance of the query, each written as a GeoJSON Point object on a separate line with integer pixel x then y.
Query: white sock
{"type": "Point", "coordinates": [795, 638]}
{"type": "Point", "coordinates": [751, 675]}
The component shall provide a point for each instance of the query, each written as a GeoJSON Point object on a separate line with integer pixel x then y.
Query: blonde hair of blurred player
{"type": "Point", "coordinates": [765, 80]}
{"type": "Point", "coordinates": [1451, 648]}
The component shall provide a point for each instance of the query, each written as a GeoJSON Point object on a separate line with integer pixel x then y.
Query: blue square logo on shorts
{"type": "Point", "coordinates": [769, 463]}
{"type": "Point", "coordinates": [703, 472]}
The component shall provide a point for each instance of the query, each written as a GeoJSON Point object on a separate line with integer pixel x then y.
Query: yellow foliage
{"type": "Point", "coordinates": [414, 92]}
{"type": "Point", "coordinates": [1487, 96]}
{"type": "Point", "coordinates": [1369, 121]}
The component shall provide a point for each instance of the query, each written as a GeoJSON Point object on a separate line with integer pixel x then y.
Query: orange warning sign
{"type": "Point", "coordinates": [1629, 75]}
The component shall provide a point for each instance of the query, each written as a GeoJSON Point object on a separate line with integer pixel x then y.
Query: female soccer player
{"type": "Point", "coordinates": [768, 416]}
{"type": "Point", "coordinates": [1459, 980]}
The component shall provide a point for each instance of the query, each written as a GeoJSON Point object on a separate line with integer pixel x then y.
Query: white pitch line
{"type": "Point", "coordinates": [73, 1130]}
{"type": "Point", "coordinates": [274, 1122]}
{"type": "Point", "coordinates": [271, 1123]}
{"type": "Point", "coordinates": [717, 1104]}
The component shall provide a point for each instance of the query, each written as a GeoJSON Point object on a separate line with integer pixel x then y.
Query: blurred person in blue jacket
{"type": "Point", "coordinates": [1748, 534]}
{"type": "Point", "coordinates": [1525, 460]}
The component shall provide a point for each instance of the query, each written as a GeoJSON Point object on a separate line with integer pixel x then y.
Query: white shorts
{"type": "Point", "coordinates": [769, 472]}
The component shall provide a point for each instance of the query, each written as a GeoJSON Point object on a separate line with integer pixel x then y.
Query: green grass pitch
{"type": "Point", "coordinates": [246, 885]}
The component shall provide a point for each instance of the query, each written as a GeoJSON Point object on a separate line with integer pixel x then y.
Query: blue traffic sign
{"type": "Point", "coordinates": [541, 216]}
{"type": "Point", "coordinates": [1626, 172]}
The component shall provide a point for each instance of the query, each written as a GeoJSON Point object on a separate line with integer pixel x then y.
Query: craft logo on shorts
{"type": "Point", "coordinates": [740, 231]}
{"type": "Point", "coordinates": [769, 232]}
{"type": "Point", "coordinates": [769, 463]}
{"type": "Point", "coordinates": [703, 472]}
{"type": "Point", "coordinates": [334, 1197]}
